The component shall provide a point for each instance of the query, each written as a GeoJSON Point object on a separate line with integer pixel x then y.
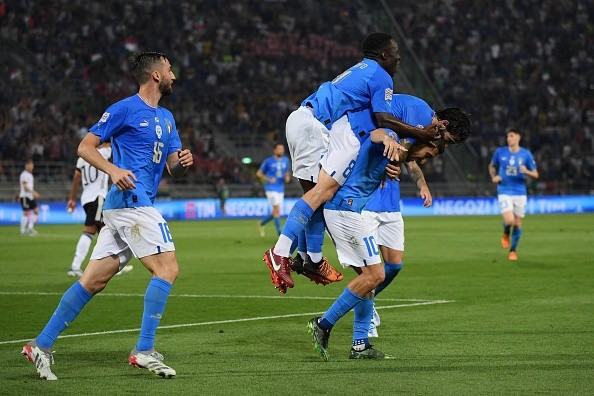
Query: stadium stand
{"type": "Point", "coordinates": [242, 67]}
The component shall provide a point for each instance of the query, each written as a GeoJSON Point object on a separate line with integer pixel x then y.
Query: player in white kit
{"type": "Point", "coordinates": [94, 183]}
{"type": "Point", "coordinates": [28, 197]}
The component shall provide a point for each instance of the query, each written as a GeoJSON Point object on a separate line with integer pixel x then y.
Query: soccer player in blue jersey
{"type": "Point", "coordinates": [320, 129]}
{"type": "Point", "coordinates": [356, 237]}
{"type": "Point", "coordinates": [274, 172]}
{"type": "Point", "coordinates": [382, 212]}
{"type": "Point", "coordinates": [508, 169]}
{"type": "Point", "coordinates": [144, 141]}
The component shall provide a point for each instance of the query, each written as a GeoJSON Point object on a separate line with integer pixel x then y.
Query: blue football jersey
{"type": "Point", "coordinates": [141, 139]}
{"type": "Point", "coordinates": [364, 85]}
{"type": "Point", "coordinates": [508, 164]}
{"type": "Point", "coordinates": [275, 168]}
{"type": "Point", "coordinates": [414, 111]}
{"type": "Point", "coordinates": [366, 174]}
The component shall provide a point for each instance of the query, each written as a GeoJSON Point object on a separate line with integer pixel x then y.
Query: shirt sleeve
{"type": "Point", "coordinates": [110, 123]}
{"type": "Point", "coordinates": [264, 166]}
{"type": "Point", "coordinates": [175, 142]}
{"type": "Point", "coordinates": [530, 163]}
{"type": "Point", "coordinates": [381, 88]}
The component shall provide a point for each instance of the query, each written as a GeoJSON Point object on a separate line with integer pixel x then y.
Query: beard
{"type": "Point", "coordinates": [166, 89]}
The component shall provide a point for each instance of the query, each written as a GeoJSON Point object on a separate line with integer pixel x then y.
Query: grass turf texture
{"type": "Point", "coordinates": [508, 328]}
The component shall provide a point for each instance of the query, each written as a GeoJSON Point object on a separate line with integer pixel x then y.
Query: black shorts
{"type": "Point", "coordinates": [94, 211]}
{"type": "Point", "coordinates": [28, 204]}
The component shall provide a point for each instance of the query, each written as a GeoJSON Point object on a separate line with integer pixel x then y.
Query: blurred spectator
{"type": "Point", "coordinates": [242, 66]}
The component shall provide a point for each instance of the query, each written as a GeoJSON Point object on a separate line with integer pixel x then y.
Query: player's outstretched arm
{"type": "Point", "coordinates": [179, 162]}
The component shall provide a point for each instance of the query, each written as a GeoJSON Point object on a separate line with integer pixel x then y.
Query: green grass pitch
{"type": "Point", "coordinates": [460, 318]}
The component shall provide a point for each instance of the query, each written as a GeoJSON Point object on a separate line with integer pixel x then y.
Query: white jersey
{"type": "Point", "coordinates": [26, 177]}
{"type": "Point", "coordinates": [94, 181]}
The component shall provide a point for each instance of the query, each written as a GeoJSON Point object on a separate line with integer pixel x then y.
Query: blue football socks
{"type": "Point", "coordinates": [265, 220]}
{"type": "Point", "coordinates": [363, 313]}
{"type": "Point", "coordinates": [296, 222]}
{"type": "Point", "coordinates": [301, 245]}
{"type": "Point", "coordinates": [343, 304]}
{"type": "Point", "coordinates": [314, 234]}
{"type": "Point", "coordinates": [155, 300]}
{"type": "Point", "coordinates": [391, 271]}
{"type": "Point", "coordinates": [277, 225]}
{"type": "Point", "coordinates": [506, 229]}
{"type": "Point", "coordinates": [516, 235]}
{"type": "Point", "coordinates": [72, 302]}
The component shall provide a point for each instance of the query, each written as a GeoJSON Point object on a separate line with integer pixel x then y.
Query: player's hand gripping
{"type": "Point", "coordinates": [393, 171]}
{"type": "Point", "coordinates": [186, 159]}
{"type": "Point", "coordinates": [434, 131]}
{"type": "Point", "coordinates": [392, 149]}
{"type": "Point", "coordinates": [123, 179]}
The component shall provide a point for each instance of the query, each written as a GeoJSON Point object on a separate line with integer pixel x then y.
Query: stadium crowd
{"type": "Point", "coordinates": [242, 67]}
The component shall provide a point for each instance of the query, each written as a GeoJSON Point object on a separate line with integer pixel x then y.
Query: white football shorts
{"type": "Point", "coordinates": [142, 230]}
{"type": "Point", "coordinates": [307, 139]}
{"type": "Point", "coordinates": [387, 228]}
{"type": "Point", "coordinates": [275, 198]}
{"type": "Point", "coordinates": [517, 203]}
{"type": "Point", "coordinates": [343, 150]}
{"type": "Point", "coordinates": [355, 244]}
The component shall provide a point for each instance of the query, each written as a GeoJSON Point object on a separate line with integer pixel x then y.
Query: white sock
{"type": "Point", "coordinates": [32, 220]}
{"type": "Point", "coordinates": [24, 220]}
{"type": "Point", "coordinates": [315, 257]}
{"type": "Point", "coordinates": [82, 248]}
{"type": "Point", "coordinates": [283, 246]}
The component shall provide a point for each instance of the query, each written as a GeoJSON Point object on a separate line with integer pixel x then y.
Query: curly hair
{"type": "Point", "coordinates": [459, 123]}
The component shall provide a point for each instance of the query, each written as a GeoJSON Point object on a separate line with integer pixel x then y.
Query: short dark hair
{"type": "Point", "coordinates": [459, 123]}
{"type": "Point", "coordinates": [514, 130]}
{"type": "Point", "coordinates": [142, 63]}
{"type": "Point", "coordinates": [375, 43]}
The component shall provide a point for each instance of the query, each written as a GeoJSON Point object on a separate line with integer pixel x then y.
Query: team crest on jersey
{"type": "Point", "coordinates": [388, 94]}
{"type": "Point", "coordinates": [104, 117]}
{"type": "Point", "coordinates": [512, 161]}
{"type": "Point", "coordinates": [169, 127]}
{"type": "Point", "coordinates": [159, 131]}
{"type": "Point", "coordinates": [350, 202]}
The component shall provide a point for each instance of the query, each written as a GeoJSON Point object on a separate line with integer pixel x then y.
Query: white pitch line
{"type": "Point", "coordinates": [278, 297]}
{"type": "Point", "coordinates": [258, 318]}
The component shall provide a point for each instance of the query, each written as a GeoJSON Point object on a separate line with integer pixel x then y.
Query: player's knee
{"type": "Point", "coordinates": [93, 285]}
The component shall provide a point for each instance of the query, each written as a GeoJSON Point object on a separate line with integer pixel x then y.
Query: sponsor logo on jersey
{"type": "Point", "coordinates": [144, 123]}
{"type": "Point", "coordinates": [159, 131]}
{"type": "Point", "coordinates": [388, 94]}
{"type": "Point", "coordinates": [104, 117]}
{"type": "Point", "coordinates": [156, 119]}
